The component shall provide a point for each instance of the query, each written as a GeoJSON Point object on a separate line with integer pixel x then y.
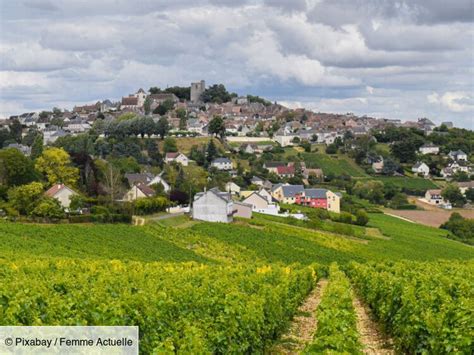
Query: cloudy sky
{"type": "Point", "coordinates": [385, 58]}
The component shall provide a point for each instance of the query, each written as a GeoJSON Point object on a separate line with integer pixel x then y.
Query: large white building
{"type": "Point", "coordinates": [213, 206]}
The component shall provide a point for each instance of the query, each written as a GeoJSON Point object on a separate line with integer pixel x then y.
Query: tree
{"type": "Point", "coordinates": [153, 152]}
{"type": "Point", "coordinates": [462, 228]}
{"type": "Point", "coordinates": [182, 92]}
{"type": "Point", "coordinates": [217, 127]}
{"type": "Point", "coordinates": [452, 194]}
{"type": "Point", "coordinates": [164, 107]}
{"type": "Point", "coordinates": [162, 127]}
{"type": "Point", "coordinates": [211, 151]}
{"type": "Point", "coordinates": [15, 130]}
{"type": "Point", "coordinates": [37, 147]}
{"type": "Point", "coordinates": [216, 93]}
{"type": "Point", "coordinates": [371, 190]}
{"type": "Point", "coordinates": [169, 145]}
{"type": "Point", "coordinates": [147, 105]}
{"type": "Point", "coordinates": [55, 165]}
{"type": "Point", "coordinates": [362, 218]}
{"type": "Point", "coordinates": [111, 180]}
{"type": "Point", "coordinates": [390, 167]}
{"type": "Point", "coordinates": [181, 113]}
{"type": "Point", "coordinates": [48, 208]}
{"type": "Point", "coordinates": [331, 149]}
{"type": "Point", "coordinates": [23, 198]}
{"type": "Point", "coordinates": [15, 168]}
{"type": "Point", "coordinates": [470, 194]}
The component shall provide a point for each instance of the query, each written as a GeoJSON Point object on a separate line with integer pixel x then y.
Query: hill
{"type": "Point", "coordinates": [217, 288]}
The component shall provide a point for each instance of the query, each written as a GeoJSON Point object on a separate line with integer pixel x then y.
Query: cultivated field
{"type": "Point", "coordinates": [246, 287]}
{"type": "Point", "coordinates": [333, 164]}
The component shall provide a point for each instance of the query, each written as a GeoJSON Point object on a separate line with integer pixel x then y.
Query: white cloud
{"type": "Point", "coordinates": [457, 101]}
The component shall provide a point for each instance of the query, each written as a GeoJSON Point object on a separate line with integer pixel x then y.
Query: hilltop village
{"type": "Point", "coordinates": [217, 155]}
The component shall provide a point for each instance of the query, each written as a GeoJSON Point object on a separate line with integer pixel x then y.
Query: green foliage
{"type": "Point", "coordinates": [462, 228]}
{"type": "Point", "coordinates": [55, 164]}
{"type": "Point", "coordinates": [25, 197]}
{"type": "Point", "coordinates": [336, 331]}
{"type": "Point", "coordinates": [370, 190]}
{"type": "Point", "coordinates": [162, 127]}
{"type": "Point", "coordinates": [426, 307]}
{"type": "Point", "coordinates": [452, 194]}
{"type": "Point", "coordinates": [15, 168]}
{"type": "Point", "coordinates": [185, 308]}
{"type": "Point", "coordinates": [164, 107]}
{"type": "Point", "coordinates": [144, 206]}
{"type": "Point", "coordinates": [336, 165]}
{"type": "Point", "coordinates": [216, 126]}
{"type": "Point", "coordinates": [48, 208]}
{"type": "Point", "coordinates": [258, 99]}
{"type": "Point", "coordinates": [169, 145]}
{"type": "Point", "coordinates": [362, 218]}
{"type": "Point", "coordinates": [216, 93]}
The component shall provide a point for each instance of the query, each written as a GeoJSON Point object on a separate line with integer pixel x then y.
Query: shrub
{"type": "Point", "coordinates": [150, 205]}
{"type": "Point", "coordinates": [362, 218]}
{"type": "Point", "coordinates": [345, 217]}
{"type": "Point", "coordinates": [48, 208]}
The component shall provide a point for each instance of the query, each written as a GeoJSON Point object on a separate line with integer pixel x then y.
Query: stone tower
{"type": "Point", "coordinates": [197, 89]}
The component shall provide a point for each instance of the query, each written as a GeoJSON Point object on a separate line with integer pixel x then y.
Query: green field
{"type": "Point", "coordinates": [195, 287]}
{"type": "Point", "coordinates": [412, 183]}
{"type": "Point", "coordinates": [333, 164]}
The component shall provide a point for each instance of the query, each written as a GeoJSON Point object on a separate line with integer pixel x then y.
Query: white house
{"type": "Point", "coordinates": [261, 204]}
{"type": "Point", "coordinates": [62, 193]}
{"type": "Point", "coordinates": [421, 168]}
{"type": "Point", "coordinates": [232, 187]}
{"type": "Point", "coordinates": [24, 149]}
{"type": "Point", "coordinates": [213, 206]}
{"type": "Point", "coordinates": [464, 186]}
{"type": "Point", "coordinates": [179, 158]}
{"type": "Point", "coordinates": [138, 191]}
{"type": "Point", "coordinates": [458, 155]}
{"type": "Point", "coordinates": [158, 180]}
{"type": "Point", "coordinates": [434, 197]}
{"type": "Point", "coordinates": [429, 148]}
{"type": "Point", "coordinates": [222, 164]}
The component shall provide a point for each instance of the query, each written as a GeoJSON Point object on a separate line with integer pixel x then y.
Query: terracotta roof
{"type": "Point", "coordinates": [53, 190]}
{"type": "Point", "coordinates": [285, 170]}
{"type": "Point", "coordinates": [173, 155]}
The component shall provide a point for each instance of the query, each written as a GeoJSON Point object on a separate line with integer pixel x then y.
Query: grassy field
{"type": "Point", "coordinates": [185, 144]}
{"type": "Point", "coordinates": [412, 183]}
{"type": "Point", "coordinates": [333, 164]}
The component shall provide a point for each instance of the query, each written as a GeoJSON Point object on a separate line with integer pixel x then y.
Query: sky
{"type": "Point", "coordinates": [399, 59]}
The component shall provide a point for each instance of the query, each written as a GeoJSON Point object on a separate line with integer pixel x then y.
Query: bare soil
{"type": "Point", "coordinates": [304, 324]}
{"type": "Point", "coordinates": [371, 337]}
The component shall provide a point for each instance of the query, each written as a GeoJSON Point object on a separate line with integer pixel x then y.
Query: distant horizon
{"type": "Point", "coordinates": [395, 60]}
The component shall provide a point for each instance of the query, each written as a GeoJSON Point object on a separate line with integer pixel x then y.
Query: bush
{"type": "Point", "coordinates": [462, 228]}
{"type": "Point", "coordinates": [48, 208]}
{"type": "Point", "coordinates": [100, 210]}
{"type": "Point", "coordinates": [362, 218]}
{"type": "Point", "coordinates": [345, 217]}
{"type": "Point", "coordinates": [145, 206]}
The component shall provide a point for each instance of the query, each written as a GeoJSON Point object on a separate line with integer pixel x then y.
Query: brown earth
{"type": "Point", "coordinates": [371, 337]}
{"type": "Point", "coordinates": [303, 325]}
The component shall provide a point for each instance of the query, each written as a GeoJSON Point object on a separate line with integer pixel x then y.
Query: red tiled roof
{"type": "Point", "coordinates": [172, 155]}
{"type": "Point", "coordinates": [285, 170]}
{"type": "Point", "coordinates": [53, 190]}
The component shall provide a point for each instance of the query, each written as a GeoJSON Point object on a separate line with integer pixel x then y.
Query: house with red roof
{"type": "Point", "coordinates": [62, 193]}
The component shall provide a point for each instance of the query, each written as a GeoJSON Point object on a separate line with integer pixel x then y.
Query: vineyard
{"type": "Point", "coordinates": [215, 288]}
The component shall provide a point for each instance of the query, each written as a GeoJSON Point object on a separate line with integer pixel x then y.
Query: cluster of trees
{"type": "Point", "coordinates": [218, 94]}
{"type": "Point", "coordinates": [182, 92]}
{"type": "Point", "coordinates": [462, 228]}
{"type": "Point", "coordinates": [453, 194]}
{"type": "Point", "coordinates": [381, 194]}
{"type": "Point", "coordinates": [130, 124]}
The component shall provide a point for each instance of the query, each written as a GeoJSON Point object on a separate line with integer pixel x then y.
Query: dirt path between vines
{"type": "Point", "coordinates": [304, 324]}
{"type": "Point", "coordinates": [371, 337]}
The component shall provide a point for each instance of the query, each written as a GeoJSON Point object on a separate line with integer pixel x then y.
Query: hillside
{"type": "Point", "coordinates": [262, 239]}
{"type": "Point", "coordinates": [238, 288]}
